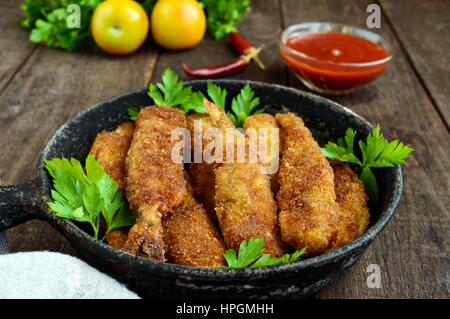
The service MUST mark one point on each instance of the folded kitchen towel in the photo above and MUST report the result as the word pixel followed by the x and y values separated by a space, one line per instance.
pixel 4 248
pixel 50 275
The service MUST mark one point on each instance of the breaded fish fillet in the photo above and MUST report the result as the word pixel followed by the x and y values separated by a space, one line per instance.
pixel 306 199
pixel 245 206
pixel 117 237
pixel 203 178
pixel 110 150
pixel 351 197
pixel 155 183
pixel 191 237
pixel 265 128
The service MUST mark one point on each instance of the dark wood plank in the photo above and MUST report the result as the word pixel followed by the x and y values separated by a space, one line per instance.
pixel 423 28
pixel 14 43
pixel 260 26
pixel 48 90
pixel 412 251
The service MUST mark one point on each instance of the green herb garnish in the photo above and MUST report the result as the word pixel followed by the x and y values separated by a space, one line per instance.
pixel 222 15
pixel 170 92
pixel 250 256
pixel 48 22
pixel 243 105
pixel 217 95
pixel 84 196
pixel 133 112
pixel 376 152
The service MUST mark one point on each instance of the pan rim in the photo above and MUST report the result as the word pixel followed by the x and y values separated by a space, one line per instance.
pixel 246 273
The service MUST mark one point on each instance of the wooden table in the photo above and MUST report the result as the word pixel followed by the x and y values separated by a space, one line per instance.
pixel 41 88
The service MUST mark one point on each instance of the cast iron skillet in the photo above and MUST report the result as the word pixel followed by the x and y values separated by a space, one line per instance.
pixel 326 119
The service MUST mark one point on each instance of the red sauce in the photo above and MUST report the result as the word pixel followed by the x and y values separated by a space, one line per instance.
pixel 337 48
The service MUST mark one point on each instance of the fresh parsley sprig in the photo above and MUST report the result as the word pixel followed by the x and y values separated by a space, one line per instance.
pixel 242 106
pixel 48 22
pixel 133 112
pixel 172 92
pixel 222 15
pixel 217 94
pixel 376 152
pixel 250 256
pixel 85 197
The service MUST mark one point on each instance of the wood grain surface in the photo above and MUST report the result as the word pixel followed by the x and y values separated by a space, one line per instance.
pixel 424 36
pixel 41 88
pixel 14 44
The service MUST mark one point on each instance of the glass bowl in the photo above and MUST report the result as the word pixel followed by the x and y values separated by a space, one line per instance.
pixel 327 76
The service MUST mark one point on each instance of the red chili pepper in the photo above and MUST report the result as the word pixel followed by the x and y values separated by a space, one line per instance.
pixel 243 47
pixel 235 66
pixel 247 51
pixel 239 43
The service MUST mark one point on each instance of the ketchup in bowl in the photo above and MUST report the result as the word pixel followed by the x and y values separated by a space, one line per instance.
pixel 334 62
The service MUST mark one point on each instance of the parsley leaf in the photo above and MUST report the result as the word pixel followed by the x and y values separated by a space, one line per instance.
pixel 222 15
pixel 376 152
pixel 48 22
pixel 248 253
pixel 85 197
pixel 266 260
pixel 172 93
pixel 194 103
pixel 343 150
pixel 243 105
pixel 133 112
pixel 250 256
pixel 217 94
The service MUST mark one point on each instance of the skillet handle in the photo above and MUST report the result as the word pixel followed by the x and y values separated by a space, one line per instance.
pixel 18 204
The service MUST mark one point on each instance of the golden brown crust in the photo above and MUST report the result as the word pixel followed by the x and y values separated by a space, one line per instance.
pixel 191 236
pixel 271 157
pixel 306 198
pixel 202 173
pixel 117 237
pixel 155 184
pixel 245 206
pixel 203 183
pixel 218 116
pixel 110 150
pixel 351 197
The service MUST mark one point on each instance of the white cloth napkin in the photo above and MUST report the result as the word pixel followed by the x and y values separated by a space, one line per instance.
pixel 50 275
pixel 3 243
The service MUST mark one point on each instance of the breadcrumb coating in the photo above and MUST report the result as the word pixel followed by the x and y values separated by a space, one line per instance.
pixel 191 236
pixel 155 183
pixel 354 216
pixel 110 150
pixel 306 199
pixel 203 178
pixel 271 157
pixel 245 206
